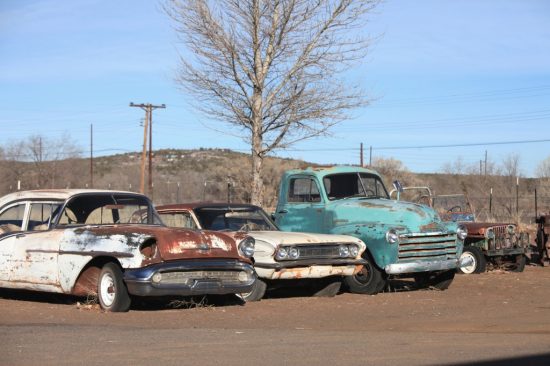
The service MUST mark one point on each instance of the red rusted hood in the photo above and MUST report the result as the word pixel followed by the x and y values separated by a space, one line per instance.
pixel 479 228
pixel 176 243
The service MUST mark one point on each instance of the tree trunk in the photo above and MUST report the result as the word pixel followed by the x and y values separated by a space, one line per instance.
pixel 257 161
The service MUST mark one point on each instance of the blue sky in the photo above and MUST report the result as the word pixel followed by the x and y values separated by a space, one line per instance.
pixel 442 72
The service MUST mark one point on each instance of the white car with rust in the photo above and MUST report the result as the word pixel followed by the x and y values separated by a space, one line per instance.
pixel 84 242
pixel 319 261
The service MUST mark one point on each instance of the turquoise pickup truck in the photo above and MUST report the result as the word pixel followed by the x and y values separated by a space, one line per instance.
pixel 403 239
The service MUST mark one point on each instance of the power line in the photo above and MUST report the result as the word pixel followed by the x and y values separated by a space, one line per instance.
pixel 462 145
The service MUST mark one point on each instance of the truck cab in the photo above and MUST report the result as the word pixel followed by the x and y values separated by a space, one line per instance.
pixel 403 239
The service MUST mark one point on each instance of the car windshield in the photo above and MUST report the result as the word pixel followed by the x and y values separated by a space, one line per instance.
pixel 451 202
pixel 348 185
pixel 108 209
pixel 234 219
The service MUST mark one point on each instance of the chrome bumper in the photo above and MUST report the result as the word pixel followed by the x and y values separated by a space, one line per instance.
pixel 140 281
pixel 426 266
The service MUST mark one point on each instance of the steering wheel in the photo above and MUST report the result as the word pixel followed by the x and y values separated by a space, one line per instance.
pixel 455 209
pixel 369 192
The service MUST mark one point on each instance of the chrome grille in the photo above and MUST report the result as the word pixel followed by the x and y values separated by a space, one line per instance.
pixel 503 240
pixel 319 251
pixel 427 246
pixel 188 277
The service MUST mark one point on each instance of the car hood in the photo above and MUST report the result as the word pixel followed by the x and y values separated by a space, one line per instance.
pixel 399 214
pixel 172 243
pixel 292 238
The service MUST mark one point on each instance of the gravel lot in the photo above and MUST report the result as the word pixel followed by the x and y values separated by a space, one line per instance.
pixel 496 318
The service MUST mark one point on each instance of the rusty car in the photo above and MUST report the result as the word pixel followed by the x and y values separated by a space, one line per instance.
pixel 488 244
pixel 91 242
pixel 281 259
pixel 403 239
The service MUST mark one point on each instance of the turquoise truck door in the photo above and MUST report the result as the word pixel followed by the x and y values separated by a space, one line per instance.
pixel 303 207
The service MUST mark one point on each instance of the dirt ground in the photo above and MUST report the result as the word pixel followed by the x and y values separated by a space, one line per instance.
pixel 496 318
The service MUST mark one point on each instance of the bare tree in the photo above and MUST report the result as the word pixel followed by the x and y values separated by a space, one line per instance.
pixel 271 67
pixel 543 169
pixel 40 162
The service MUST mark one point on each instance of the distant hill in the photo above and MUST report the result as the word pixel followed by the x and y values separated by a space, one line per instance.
pixel 204 174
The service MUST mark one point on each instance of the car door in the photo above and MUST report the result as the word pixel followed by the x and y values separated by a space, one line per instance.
pixel 304 207
pixel 11 224
pixel 36 249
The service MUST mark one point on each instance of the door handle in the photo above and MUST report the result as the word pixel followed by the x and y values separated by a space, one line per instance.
pixel 283 211
pixel 20 235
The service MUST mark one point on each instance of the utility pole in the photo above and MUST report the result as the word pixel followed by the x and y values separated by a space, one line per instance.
pixel 91 155
pixel 361 158
pixel 148 108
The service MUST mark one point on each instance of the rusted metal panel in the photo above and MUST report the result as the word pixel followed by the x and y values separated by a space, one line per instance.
pixel 61 259
pixel 267 242
pixel 308 272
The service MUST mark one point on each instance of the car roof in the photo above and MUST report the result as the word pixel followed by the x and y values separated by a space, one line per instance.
pixel 337 169
pixel 196 205
pixel 54 194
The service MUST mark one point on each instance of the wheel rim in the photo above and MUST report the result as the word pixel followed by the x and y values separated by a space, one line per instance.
pixel 365 275
pixel 244 295
pixel 107 289
pixel 470 268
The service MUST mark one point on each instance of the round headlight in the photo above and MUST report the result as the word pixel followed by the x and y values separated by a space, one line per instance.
pixel 462 232
pixel 246 247
pixel 490 234
pixel 353 250
pixel 511 229
pixel 282 253
pixel 392 237
pixel 343 250
pixel 293 253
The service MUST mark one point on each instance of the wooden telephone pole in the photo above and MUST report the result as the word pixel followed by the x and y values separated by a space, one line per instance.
pixel 148 125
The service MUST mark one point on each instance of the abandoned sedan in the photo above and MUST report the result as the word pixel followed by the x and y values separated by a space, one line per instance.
pixel 84 242
pixel 318 261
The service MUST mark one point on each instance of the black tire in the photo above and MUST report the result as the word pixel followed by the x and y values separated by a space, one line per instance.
pixel 443 280
pixel 480 263
pixel 257 293
pixel 437 280
pixel 519 264
pixel 370 280
pixel 327 287
pixel 111 290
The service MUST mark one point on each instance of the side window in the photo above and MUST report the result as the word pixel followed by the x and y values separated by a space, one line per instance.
pixel 41 215
pixel 303 190
pixel 12 219
pixel 182 219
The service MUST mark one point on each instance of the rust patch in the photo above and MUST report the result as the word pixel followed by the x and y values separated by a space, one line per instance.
pixel 87 282
pixel 429 227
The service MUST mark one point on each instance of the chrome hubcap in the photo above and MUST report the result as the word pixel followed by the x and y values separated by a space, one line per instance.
pixel 107 289
pixel 469 269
